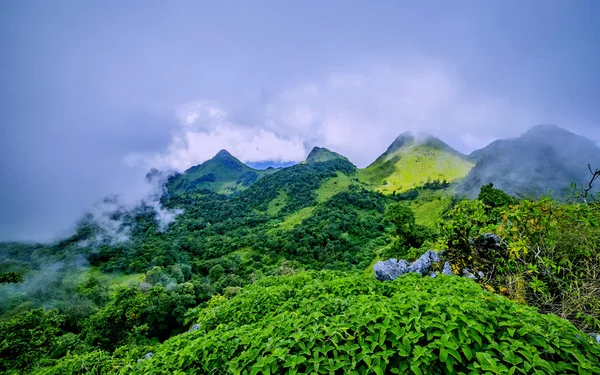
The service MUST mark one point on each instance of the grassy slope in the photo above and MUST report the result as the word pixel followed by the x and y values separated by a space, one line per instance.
pixel 431 205
pixel 412 166
pixel 227 171
pixel 114 280
pixel 277 203
pixel 327 190
pixel 333 186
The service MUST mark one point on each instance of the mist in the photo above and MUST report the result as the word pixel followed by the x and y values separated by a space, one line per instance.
pixel 95 94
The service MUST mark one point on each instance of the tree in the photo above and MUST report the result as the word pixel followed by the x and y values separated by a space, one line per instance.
pixel 493 197
pixel 28 337
pixel 10 277
pixel 409 233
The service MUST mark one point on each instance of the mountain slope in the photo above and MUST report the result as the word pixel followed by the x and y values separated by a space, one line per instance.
pixel 222 174
pixel 321 154
pixel 412 161
pixel 545 158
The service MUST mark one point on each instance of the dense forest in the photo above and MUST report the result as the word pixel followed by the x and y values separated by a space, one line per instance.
pixel 278 278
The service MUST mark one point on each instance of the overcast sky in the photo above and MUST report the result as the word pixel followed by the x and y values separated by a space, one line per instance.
pixel 94 93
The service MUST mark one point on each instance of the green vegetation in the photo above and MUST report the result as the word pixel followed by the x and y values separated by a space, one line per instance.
pixel 410 163
pixel 321 154
pixel 279 277
pixel 347 323
pixel 222 174
pixel 549 255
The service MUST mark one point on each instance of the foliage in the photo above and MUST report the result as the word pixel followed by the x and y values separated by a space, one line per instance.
pixel 339 323
pixel 408 233
pixel 134 315
pixel 549 256
pixel 10 278
pixel 493 197
pixel 332 236
pixel 26 338
pixel 313 216
pixel 555 249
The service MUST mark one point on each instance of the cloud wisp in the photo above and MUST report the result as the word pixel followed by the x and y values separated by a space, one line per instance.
pixel 357 112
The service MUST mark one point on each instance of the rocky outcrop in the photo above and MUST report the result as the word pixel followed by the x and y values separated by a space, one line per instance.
pixel 390 269
pixel 393 268
pixel 447 270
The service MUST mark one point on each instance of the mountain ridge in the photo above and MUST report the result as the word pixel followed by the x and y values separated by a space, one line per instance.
pixel 413 159
pixel 546 158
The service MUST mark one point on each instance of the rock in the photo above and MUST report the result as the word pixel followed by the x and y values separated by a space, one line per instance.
pixel 468 274
pixel 148 355
pixel 433 275
pixel 195 327
pixel 447 270
pixel 480 274
pixel 488 241
pixel 596 337
pixel 390 269
pixel 424 263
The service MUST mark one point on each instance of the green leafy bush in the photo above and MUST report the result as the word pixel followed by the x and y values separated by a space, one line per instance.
pixel 549 257
pixel 28 337
pixel 336 323
pixel 409 236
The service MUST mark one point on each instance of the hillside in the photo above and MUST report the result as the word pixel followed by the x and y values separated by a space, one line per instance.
pixel 545 158
pixel 412 161
pixel 321 154
pixel 223 174
pixel 290 256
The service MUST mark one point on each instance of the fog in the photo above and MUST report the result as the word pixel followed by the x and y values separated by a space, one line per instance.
pixel 94 94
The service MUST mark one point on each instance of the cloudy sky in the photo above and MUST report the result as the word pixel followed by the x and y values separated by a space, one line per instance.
pixel 94 93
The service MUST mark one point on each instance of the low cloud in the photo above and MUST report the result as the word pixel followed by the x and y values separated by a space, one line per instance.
pixel 205 129
pixel 356 111
pixel 359 112
pixel 111 221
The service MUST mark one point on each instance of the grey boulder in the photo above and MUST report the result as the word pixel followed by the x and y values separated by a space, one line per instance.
pixel 390 269
pixel 393 268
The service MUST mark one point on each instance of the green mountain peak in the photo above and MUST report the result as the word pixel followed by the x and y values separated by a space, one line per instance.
pixel 414 159
pixel 223 173
pixel 321 154
pixel 545 158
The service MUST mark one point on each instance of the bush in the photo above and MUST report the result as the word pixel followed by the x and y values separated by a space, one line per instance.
pixel 336 323
pixel 549 256
pixel 27 338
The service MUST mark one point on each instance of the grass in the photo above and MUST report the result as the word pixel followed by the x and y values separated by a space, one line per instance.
pixel 244 253
pixel 296 218
pixel 369 270
pixel 413 166
pixel 114 280
pixel 431 205
pixel 276 204
pixel 333 186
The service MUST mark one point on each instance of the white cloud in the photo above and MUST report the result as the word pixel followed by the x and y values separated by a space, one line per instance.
pixel 357 112
pixel 360 113
pixel 205 130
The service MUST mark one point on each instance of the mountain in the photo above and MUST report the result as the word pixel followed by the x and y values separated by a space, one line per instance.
pixel 222 174
pixel 321 154
pixel 545 158
pixel 412 160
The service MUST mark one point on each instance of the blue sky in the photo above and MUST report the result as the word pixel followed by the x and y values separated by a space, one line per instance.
pixel 94 93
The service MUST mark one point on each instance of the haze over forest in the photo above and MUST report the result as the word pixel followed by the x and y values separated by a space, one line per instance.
pixel 87 108
pixel 300 187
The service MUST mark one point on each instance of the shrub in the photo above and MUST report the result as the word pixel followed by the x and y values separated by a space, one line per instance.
pixel 27 338
pixel 335 323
